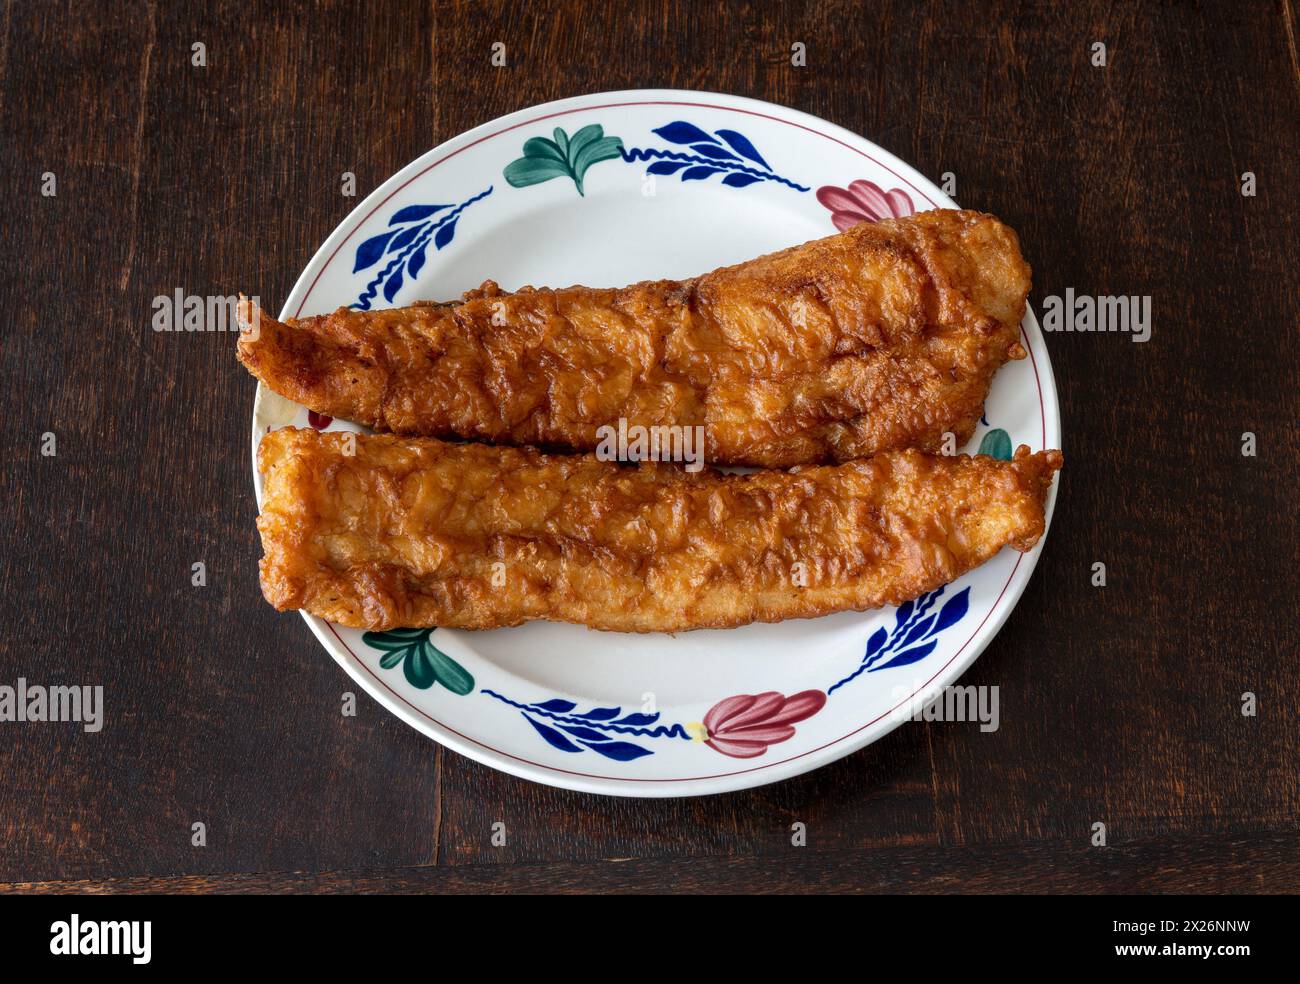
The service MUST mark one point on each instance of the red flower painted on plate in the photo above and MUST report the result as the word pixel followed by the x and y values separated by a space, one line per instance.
pixel 743 726
pixel 863 201
pixel 318 420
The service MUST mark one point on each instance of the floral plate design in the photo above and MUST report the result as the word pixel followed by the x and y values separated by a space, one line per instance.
pixel 605 190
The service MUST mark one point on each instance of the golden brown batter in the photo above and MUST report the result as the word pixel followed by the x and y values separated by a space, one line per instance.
pixel 412 533
pixel 882 337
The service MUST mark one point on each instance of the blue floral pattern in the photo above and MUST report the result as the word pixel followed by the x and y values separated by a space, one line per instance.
pixel 571 730
pixel 721 152
pixel 913 636
pixel 406 242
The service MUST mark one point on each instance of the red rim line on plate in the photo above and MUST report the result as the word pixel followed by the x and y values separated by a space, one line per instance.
pixel 1042 413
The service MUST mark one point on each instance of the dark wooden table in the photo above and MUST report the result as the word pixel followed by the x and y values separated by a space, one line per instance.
pixel 1120 705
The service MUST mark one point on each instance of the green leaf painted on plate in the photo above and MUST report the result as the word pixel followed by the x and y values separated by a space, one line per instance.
pixel 583 137
pixel 539 148
pixel 423 664
pixel 450 674
pixel 418 669
pixel 387 644
pixel 394 638
pixel 563 156
pixel 604 149
pixel 996 444
pixel 534 170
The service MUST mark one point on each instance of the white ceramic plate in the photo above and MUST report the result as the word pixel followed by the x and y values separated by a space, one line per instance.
pixel 694 181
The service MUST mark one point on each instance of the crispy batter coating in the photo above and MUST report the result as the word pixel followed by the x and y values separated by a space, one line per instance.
pixel 410 532
pixel 882 337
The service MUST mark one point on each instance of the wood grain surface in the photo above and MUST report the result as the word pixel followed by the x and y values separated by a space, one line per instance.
pixel 1120 705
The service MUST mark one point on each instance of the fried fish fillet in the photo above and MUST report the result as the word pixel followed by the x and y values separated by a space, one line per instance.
pixel 882 337
pixel 409 532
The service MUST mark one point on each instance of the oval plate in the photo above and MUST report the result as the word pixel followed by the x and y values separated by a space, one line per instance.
pixel 663 184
